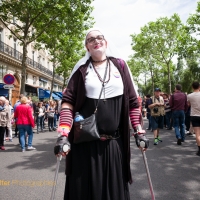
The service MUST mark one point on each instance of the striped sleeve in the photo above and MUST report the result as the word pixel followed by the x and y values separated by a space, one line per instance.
pixel 66 121
pixel 135 116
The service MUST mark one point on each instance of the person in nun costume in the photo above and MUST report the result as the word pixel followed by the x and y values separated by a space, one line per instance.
pixel 100 169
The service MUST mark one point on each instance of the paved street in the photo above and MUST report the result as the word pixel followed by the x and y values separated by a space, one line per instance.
pixel 175 170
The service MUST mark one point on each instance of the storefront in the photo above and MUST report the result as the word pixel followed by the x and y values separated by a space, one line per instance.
pixel 31 90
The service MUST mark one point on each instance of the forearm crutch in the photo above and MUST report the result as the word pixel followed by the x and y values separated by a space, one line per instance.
pixel 59 158
pixel 148 175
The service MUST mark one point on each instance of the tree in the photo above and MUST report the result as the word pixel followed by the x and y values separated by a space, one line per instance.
pixel 29 19
pixel 193 25
pixel 160 40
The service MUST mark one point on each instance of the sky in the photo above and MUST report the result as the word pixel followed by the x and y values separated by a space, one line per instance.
pixel 121 18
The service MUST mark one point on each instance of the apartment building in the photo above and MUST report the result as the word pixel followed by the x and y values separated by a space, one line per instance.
pixel 39 71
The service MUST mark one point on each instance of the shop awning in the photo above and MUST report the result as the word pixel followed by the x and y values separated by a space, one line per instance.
pixel 59 94
pixel 45 94
pixel 54 96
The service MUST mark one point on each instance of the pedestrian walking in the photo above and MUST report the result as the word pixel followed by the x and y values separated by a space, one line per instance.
pixel 11 114
pixel 178 104
pixel 99 169
pixel 193 100
pixel 4 120
pixel 156 105
pixel 168 112
pixel 25 123
pixel 50 114
pixel 40 112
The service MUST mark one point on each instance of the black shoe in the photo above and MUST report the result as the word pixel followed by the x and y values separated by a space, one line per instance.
pixel 179 142
pixel 50 129
pixel 182 140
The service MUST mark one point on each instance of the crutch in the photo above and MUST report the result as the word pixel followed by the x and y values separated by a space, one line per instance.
pixel 147 170
pixel 59 158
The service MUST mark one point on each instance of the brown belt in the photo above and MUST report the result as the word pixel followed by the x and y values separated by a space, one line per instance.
pixel 109 137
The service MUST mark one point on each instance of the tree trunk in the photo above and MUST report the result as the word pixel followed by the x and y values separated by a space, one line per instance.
pixel 169 78
pixel 152 80
pixel 52 82
pixel 23 71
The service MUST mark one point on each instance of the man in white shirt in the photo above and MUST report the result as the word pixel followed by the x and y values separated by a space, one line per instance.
pixel 193 100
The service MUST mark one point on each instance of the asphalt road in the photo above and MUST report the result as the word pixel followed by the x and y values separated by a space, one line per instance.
pixel 175 170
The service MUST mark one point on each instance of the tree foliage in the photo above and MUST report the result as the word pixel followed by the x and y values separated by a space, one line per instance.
pixel 29 19
pixel 160 40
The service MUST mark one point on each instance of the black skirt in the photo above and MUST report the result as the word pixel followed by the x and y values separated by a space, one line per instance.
pixel 97 166
pixel 97 172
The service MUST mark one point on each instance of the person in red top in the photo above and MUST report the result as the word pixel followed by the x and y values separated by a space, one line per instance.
pixel 25 123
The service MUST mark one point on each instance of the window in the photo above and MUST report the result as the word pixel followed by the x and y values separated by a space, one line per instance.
pixel 39 59
pixel 59 88
pixel 26 78
pixel 54 87
pixel 1 40
pixel 33 53
pixel 43 62
pixel 34 80
pixel 15 46
pixel 3 72
pixel 42 83
pixel 1 34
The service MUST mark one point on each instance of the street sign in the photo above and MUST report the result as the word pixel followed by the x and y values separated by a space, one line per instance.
pixel 9 79
pixel 8 86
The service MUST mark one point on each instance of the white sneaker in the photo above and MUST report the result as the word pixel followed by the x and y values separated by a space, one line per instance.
pixel 31 148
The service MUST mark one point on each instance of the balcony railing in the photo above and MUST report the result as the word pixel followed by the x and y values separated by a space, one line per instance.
pixel 17 55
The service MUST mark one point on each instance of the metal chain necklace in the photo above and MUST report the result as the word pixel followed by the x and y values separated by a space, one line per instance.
pixel 101 80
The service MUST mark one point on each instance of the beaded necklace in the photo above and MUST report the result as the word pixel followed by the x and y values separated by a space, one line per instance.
pixel 99 77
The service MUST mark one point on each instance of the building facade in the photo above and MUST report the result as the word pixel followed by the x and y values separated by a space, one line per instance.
pixel 38 74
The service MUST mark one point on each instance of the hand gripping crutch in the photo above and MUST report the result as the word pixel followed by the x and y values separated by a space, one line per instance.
pixel 148 174
pixel 59 158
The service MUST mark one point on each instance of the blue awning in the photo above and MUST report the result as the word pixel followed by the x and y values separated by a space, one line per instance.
pixel 45 94
pixel 55 97
pixel 59 94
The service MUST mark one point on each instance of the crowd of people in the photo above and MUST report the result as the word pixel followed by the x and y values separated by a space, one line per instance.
pixel 23 117
pixel 179 112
